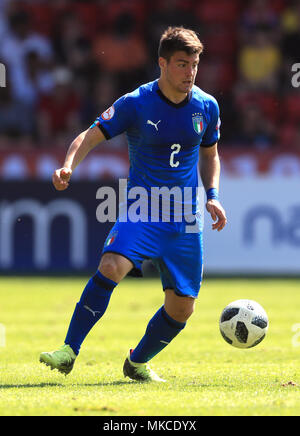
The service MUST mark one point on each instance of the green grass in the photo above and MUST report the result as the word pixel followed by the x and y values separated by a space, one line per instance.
pixel 205 375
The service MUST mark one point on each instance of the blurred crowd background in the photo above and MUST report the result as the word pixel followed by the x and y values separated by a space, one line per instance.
pixel 67 61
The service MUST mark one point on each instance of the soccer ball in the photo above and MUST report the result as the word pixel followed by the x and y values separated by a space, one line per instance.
pixel 243 323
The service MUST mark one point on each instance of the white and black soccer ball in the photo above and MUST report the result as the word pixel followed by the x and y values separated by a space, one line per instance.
pixel 243 323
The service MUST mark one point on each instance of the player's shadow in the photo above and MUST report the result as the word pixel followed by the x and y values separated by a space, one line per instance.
pixel 29 385
pixel 113 383
pixel 47 385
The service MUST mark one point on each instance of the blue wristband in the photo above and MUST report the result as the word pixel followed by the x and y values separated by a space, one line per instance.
pixel 212 194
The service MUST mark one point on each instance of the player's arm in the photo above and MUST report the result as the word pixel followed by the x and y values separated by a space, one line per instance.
pixel 210 175
pixel 77 151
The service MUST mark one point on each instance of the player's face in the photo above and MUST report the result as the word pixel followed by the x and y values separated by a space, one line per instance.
pixel 180 71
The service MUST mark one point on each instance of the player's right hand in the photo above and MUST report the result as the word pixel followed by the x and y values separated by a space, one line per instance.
pixel 61 178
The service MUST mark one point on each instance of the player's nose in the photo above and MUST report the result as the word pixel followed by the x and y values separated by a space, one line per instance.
pixel 189 74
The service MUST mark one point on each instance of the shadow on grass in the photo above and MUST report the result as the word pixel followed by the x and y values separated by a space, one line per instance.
pixel 40 385
pixel 47 385
pixel 112 383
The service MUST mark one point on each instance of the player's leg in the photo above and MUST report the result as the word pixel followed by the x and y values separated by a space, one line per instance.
pixel 178 307
pixel 90 308
pixel 164 326
pixel 114 266
pixel 181 273
pixel 95 298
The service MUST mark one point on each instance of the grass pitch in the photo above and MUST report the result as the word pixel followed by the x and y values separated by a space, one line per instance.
pixel 205 375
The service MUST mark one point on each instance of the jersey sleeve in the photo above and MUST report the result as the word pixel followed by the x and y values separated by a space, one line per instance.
pixel 212 133
pixel 117 118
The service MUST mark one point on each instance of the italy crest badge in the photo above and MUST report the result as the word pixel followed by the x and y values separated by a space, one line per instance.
pixel 197 123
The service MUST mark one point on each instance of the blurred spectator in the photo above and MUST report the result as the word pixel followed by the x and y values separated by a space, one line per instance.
pixel 268 102
pixel 85 73
pixel 111 11
pixel 82 63
pixel 15 47
pixel 103 93
pixel 260 61
pixel 254 129
pixel 213 38
pixel 122 52
pixel 290 19
pixel 259 15
pixel 38 80
pixel 68 31
pixel 290 24
pixel 58 118
pixel 16 118
pixel 215 75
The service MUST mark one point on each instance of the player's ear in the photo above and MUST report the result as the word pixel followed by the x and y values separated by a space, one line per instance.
pixel 162 62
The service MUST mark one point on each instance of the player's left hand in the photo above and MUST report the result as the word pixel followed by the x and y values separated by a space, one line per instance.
pixel 217 213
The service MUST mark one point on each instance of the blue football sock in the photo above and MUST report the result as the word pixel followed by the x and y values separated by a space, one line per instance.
pixel 159 333
pixel 90 308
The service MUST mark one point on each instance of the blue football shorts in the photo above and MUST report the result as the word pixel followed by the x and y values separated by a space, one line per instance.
pixel 177 255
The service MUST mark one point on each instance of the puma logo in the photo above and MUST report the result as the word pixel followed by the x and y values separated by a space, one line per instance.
pixel 91 310
pixel 154 124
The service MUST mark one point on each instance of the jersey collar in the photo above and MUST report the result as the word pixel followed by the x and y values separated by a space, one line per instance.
pixel 169 102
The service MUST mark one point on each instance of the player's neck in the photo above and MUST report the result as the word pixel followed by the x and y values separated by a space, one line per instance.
pixel 170 93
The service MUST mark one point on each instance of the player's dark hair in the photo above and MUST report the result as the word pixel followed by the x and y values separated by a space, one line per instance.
pixel 179 39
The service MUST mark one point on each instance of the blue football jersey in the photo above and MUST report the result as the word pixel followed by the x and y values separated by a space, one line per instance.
pixel 163 137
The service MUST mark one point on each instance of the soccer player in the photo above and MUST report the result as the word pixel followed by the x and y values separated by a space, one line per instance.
pixel 168 123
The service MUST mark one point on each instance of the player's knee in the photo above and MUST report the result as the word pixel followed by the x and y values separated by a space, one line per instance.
pixel 109 269
pixel 182 313
pixel 187 312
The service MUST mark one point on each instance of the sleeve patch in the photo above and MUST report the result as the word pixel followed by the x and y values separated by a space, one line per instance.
pixel 108 114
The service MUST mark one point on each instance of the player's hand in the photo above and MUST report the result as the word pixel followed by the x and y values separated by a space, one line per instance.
pixel 217 213
pixel 61 178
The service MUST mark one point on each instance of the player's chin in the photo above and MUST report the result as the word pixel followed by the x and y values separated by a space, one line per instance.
pixel 186 86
